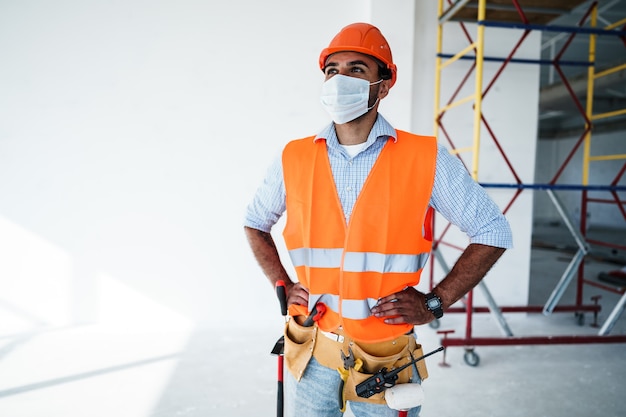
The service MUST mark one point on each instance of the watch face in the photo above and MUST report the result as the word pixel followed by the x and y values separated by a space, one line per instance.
pixel 433 303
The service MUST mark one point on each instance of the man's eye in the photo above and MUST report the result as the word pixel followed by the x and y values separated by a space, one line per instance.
pixel 357 69
pixel 330 71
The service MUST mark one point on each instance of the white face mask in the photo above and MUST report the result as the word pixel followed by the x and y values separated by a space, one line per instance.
pixel 345 98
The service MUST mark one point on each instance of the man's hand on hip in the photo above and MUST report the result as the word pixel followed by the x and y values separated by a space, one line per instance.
pixel 406 306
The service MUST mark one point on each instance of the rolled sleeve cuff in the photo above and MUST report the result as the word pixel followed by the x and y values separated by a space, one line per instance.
pixel 498 235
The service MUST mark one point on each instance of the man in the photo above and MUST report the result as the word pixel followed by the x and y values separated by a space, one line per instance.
pixel 358 199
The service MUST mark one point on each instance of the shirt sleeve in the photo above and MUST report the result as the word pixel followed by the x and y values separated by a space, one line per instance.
pixel 464 203
pixel 268 203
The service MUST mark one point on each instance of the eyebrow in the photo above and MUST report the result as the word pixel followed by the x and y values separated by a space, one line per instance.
pixel 358 62
pixel 350 64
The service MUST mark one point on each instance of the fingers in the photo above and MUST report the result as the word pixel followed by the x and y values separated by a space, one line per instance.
pixel 394 310
pixel 392 305
pixel 406 306
pixel 298 295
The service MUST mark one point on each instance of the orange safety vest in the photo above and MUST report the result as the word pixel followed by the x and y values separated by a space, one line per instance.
pixel 383 248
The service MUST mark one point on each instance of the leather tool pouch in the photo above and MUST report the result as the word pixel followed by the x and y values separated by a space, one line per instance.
pixel 372 363
pixel 299 345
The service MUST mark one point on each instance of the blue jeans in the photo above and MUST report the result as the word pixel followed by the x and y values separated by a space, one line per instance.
pixel 317 395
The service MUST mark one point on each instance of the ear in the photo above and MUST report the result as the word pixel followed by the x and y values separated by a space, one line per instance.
pixel 383 90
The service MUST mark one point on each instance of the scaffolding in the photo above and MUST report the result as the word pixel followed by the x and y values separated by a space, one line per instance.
pixel 530 15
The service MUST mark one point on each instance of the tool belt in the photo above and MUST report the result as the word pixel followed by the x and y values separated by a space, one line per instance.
pixel 302 343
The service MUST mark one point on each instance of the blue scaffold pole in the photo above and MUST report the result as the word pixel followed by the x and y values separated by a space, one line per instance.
pixel 557 187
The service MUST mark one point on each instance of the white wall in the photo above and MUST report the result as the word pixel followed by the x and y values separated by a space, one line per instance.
pixel 132 137
pixel 133 134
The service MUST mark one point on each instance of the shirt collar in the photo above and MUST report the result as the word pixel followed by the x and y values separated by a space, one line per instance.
pixel 381 129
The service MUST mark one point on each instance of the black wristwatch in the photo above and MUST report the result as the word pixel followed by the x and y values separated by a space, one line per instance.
pixel 433 304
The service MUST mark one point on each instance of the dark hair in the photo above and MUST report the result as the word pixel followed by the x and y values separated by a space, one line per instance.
pixel 383 71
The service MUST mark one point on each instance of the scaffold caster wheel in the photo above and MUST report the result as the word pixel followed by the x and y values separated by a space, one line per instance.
pixel 471 358
pixel 580 318
pixel 434 324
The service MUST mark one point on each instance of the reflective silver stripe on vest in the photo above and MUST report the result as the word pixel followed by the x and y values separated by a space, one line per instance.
pixel 357 309
pixel 331 301
pixel 357 261
pixel 379 262
pixel 350 309
pixel 317 258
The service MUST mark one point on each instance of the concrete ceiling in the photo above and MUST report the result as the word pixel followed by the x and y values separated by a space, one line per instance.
pixel 558 114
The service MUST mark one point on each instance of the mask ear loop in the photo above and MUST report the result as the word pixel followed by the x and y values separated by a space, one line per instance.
pixel 377 99
pixel 373 105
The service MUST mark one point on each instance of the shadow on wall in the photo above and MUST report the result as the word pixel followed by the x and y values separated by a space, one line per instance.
pixel 44 287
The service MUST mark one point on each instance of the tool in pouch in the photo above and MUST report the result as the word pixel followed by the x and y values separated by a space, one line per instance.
pixel 318 311
pixel 348 362
pixel 384 379
pixel 279 348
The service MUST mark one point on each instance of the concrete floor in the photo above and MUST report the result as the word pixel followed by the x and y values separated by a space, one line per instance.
pixel 228 370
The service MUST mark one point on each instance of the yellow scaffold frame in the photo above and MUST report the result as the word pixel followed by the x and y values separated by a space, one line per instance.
pixel 576 265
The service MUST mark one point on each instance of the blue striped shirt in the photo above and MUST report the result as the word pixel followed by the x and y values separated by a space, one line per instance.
pixel 456 196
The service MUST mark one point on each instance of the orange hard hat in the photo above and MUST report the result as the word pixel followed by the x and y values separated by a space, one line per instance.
pixel 363 38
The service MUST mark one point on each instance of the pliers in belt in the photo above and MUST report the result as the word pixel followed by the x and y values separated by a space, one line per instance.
pixel 349 361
